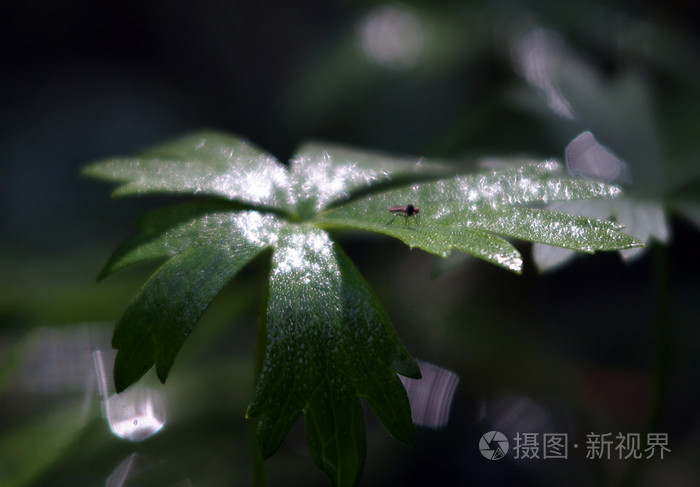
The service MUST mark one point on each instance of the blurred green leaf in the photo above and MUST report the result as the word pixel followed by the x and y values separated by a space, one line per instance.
pixel 28 450
pixel 621 112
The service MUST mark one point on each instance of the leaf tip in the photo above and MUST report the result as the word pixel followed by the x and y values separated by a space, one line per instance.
pixel 251 413
pixel 614 191
pixel 104 272
pixel 405 435
pixel 636 243
pixel 407 366
pixel 96 169
pixel 90 170
pixel 162 370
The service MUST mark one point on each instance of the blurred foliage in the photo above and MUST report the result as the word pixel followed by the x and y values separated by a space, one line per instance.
pixel 83 80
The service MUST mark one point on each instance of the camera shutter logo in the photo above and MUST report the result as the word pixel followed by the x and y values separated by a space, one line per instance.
pixel 493 445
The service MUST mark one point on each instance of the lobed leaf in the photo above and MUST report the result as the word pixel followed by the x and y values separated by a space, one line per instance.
pixel 325 173
pixel 204 253
pixel 160 318
pixel 328 344
pixel 206 163
pixel 164 232
pixel 467 213
pixel 328 341
pixel 219 165
pixel 643 220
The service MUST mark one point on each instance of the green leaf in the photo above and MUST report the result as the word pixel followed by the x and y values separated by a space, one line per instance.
pixel 643 220
pixel 213 164
pixel 32 448
pixel 205 252
pixel 328 343
pixel 207 163
pixel 323 174
pixel 468 212
pixel 167 231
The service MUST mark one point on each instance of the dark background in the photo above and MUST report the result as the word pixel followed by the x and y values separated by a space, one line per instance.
pixel 86 80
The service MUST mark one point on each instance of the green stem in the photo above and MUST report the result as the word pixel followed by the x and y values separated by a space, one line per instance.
pixel 258 466
pixel 662 362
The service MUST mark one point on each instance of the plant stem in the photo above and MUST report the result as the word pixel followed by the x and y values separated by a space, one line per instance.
pixel 259 470
pixel 258 467
pixel 662 362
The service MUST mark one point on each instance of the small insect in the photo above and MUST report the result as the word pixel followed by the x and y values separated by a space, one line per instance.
pixel 405 211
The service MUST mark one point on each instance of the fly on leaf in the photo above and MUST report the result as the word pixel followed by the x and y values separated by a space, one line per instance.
pixel 405 211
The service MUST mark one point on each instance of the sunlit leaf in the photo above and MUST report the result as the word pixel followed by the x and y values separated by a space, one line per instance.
pixel 325 173
pixel 328 344
pixel 206 164
pixel 645 221
pixel 168 231
pixel 468 213
pixel 205 253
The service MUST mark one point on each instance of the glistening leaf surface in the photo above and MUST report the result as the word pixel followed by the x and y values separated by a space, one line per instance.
pixel 325 173
pixel 469 212
pixel 208 164
pixel 328 344
pixel 644 220
pixel 204 253
pixel 165 232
